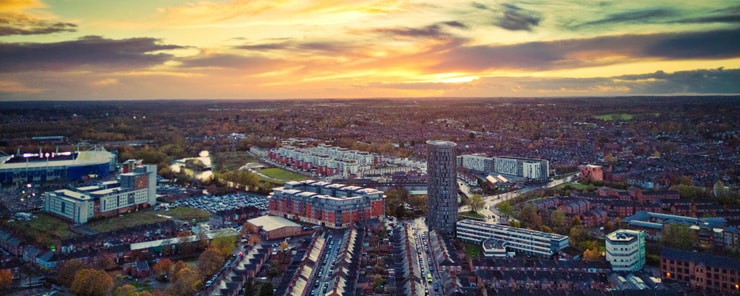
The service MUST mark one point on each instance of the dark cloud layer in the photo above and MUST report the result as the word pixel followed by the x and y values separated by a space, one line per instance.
pixel 19 24
pixel 716 81
pixel 518 19
pixel 130 53
pixel 573 53
pixel 434 31
pixel 636 16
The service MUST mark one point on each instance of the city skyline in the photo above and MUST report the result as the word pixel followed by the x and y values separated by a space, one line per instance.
pixel 107 50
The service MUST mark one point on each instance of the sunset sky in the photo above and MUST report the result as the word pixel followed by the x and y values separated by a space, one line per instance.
pixel 275 49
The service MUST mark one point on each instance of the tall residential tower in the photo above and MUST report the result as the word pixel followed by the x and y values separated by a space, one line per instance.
pixel 442 187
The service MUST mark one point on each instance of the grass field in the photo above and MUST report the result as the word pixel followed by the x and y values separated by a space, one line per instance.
pixel 127 220
pixel 283 175
pixel 227 161
pixel 188 214
pixel 615 116
pixel 45 228
pixel 472 214
pixel 472 251
pixel 147 216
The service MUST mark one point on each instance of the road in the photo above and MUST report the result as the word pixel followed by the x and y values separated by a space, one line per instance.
pixel 490 212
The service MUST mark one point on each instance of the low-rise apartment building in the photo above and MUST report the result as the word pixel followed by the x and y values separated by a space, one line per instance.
pixel 326 204
pixel 519 240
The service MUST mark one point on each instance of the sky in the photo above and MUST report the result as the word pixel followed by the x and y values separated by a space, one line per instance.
pixel 285 49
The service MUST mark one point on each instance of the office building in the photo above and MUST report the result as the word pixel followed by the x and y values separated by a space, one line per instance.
pixel 514 239
pixel 136 189
pixel 326 204
pixel 442 187
pixel 625 250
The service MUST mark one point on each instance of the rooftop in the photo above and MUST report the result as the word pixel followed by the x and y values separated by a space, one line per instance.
pixel 269 223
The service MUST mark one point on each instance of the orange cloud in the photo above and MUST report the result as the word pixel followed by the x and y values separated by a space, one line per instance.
pixel 17 87
pixel 17 6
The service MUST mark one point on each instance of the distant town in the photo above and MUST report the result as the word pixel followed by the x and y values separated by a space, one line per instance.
pixel 484 196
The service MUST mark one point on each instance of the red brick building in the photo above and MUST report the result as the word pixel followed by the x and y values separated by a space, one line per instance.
pixel 703 271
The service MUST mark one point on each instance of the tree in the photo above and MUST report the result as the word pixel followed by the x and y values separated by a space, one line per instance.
pixel 254 240
pixel 476 202
pixel 284 245
pixel 125 290
pixel 557 219
pixel 66 272
pixel 188 283
pixel 529 216
pixel 678 236
pixel 225 244
pixel 577 234
pixel 6 278
pixel 105 261
pixel 266 289
pixel 162 267
pixel 92 282
pixel 210 261
pixel 505 208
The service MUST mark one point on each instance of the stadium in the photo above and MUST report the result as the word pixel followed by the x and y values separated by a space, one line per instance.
pixel 56 166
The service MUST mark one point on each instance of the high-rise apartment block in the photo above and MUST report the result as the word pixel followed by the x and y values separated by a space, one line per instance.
pixel 442 187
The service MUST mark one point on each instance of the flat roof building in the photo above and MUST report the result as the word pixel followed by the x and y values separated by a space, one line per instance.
pixel 136 189
pixel 326 204
pixel 442 187
pixel 625 250
pixel 519 240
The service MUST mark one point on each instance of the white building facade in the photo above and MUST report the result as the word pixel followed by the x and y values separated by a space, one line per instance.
pixel 625 250
pixel 519 240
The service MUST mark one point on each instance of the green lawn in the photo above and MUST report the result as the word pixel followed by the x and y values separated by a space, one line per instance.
pixel 472 251
pixel 472 215
pixel 188 214
pixel 133 219
pixel 614 116
pixel 45 229
pixel 228 161
pixel 283 175
pixel 147 216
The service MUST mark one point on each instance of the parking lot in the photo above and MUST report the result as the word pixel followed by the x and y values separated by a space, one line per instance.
pixel 216 204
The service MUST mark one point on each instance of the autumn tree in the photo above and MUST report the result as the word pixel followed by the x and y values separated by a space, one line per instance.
pixel 66 272
pixel 210 261
pixel 284 245
pixel 476 202
pixel 92 282
pixel 529 216
pixel 125 290
pixel 105 261
pixel 176 268
pixel 188 283
pixel 6 278
pixel 162 268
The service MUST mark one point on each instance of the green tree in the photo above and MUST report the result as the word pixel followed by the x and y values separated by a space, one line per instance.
pixel 679 236
pixel 557 219
pixel 225 244
pixel 476 202
pixel 505 208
